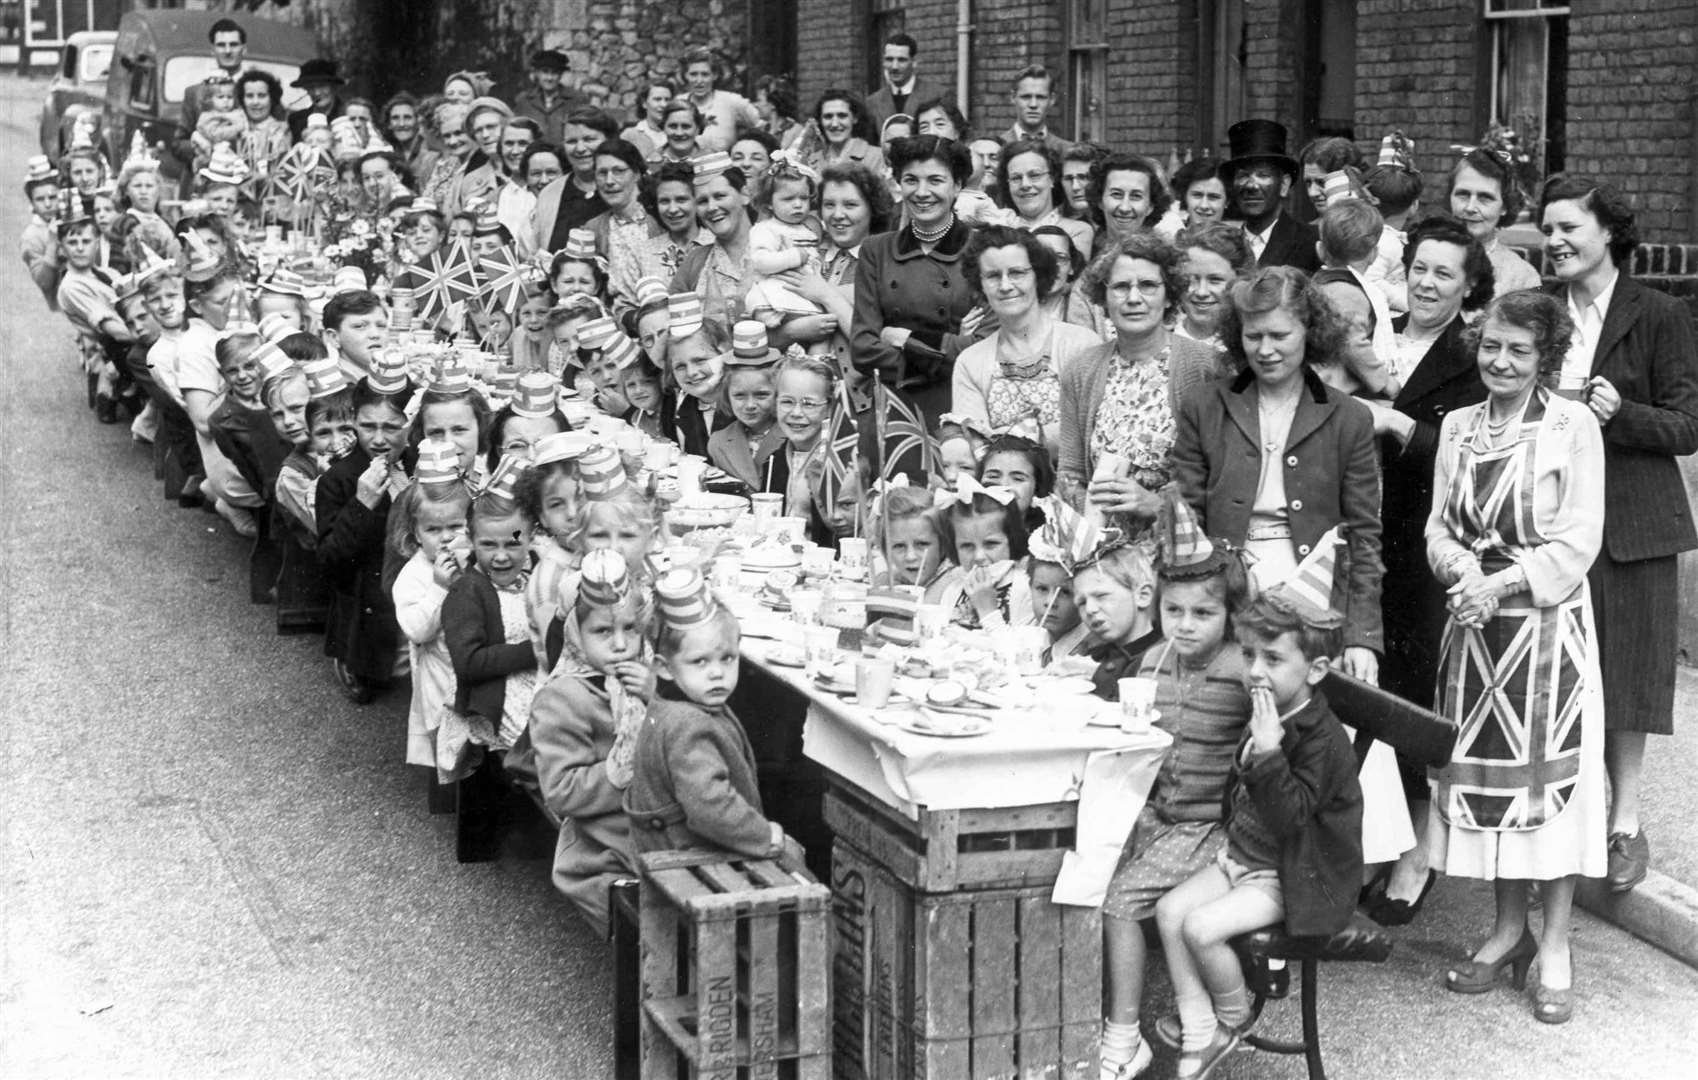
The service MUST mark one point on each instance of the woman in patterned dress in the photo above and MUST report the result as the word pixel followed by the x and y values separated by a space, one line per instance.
pixel 1517 519
pixel 1122 397
pixel 1015 373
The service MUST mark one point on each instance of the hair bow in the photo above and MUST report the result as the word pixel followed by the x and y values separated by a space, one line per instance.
pixel 883 487
pixel 966 487
pixel 784 162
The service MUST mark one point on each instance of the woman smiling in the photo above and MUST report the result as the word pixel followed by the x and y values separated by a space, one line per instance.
pixel 719 272
pixel 1030 178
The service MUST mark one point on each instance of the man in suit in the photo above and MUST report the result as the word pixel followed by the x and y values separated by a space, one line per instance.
pixel 1034 93
pixel 1258 176
pixel 901 88
pixel 322 83
pixel 230 50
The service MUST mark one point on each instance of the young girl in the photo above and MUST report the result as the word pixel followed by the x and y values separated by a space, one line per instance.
pixel 905 533
pixel 745 449
pixel 693 781
pixel 805 397
pixel 987 532
pixel 576 270
pixel 428 527
pixel 529 345
pixel 328 418
pixel 549 495
pixel 1114 589
pixel 695 360
pixel 1203 705
pixel 352 508
pixel 451 410
pixel 961 443
pixel 585 722
pixel 641 384
pixel 600 348
pixel 786 238
pixel 531 416
pixel 1023 467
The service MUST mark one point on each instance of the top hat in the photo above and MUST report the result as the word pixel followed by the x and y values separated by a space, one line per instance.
pixel 580 244
pixel 1397 149
pixel 348 279
pixel 561 446
pixel 275 327
pixel 1258 140
pixel 316 72
pixel 225 166
pixel 595 334
pixel 601 472
pixel 388 373
pixel 450 378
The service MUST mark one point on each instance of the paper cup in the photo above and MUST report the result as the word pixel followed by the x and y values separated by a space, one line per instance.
pixel 656 456
pixel 1137 694
pixel 1572 387
pixel 766 507
pixel 690 469
pixel 805 605
pixel 728 573
pixel 873 678
pixel 790 530
pixel 1027 645
pixel 820 642
pixel 930 620
pixel 817 561
pixel 852 550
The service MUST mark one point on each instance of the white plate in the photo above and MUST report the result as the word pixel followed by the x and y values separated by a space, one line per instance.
pixel 944 726
pixel 787 656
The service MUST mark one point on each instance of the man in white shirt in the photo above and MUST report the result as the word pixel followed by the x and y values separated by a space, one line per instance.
pixel 902 88
pixel 1034 93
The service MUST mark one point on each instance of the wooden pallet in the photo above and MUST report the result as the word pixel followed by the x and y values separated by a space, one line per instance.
pixel 945 850
pixel 993 982
pixel 735 969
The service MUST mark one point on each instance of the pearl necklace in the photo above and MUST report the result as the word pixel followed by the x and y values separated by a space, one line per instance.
pixel 932 237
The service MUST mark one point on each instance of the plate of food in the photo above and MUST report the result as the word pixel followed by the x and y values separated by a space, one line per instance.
pixel 940 725
pixel 786 655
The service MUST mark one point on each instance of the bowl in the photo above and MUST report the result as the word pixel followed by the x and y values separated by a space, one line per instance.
pixel 706 511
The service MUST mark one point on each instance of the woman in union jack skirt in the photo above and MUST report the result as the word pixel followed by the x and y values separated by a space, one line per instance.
pixel 1517 518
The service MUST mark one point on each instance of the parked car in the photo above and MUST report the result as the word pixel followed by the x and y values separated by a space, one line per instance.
pixel 161 53
pixel 79 82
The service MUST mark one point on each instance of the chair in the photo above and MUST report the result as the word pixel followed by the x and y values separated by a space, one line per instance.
pixel 1420 736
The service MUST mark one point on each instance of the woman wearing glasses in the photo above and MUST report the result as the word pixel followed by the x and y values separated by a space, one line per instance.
pixel 1119 400
pixel 1029 175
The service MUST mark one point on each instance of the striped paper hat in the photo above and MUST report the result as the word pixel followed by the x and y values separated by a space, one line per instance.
pixel 1183 544
pixel 488 222
pixel 125 286
pixel 439 463
pixel 535 395
pixel 749 347
pixel 708 166
pixel 562 446
pixel 348 279
pixel 580 244
pixel 149 264
pixel 1397 149
pixel 39 167
pixel 285 282
pixel 450 378
pixel 684 314
pixel 682 598
pixel 324 377
pixel 601 472
pixel 1307 593
pixel 603 579
pixel 622 351
pixel 275 327
pixel 503 482
pixel 595 333
pixel 272 363
pixel 650 290
pixel 388 373
pixel 1339 185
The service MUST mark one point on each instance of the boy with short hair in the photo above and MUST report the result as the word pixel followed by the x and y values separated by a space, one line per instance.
pixel 1349 231
pixel 1293 818
pixel 38 246
pixel 355 325
pixel 693 781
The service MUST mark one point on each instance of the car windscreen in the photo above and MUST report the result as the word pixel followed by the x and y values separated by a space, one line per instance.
pixel 182 72
pixel 95 61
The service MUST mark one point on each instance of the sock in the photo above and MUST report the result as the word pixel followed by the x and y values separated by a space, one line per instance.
pixel 1120 1042
pixel 1233 1006
pixel 1196 1021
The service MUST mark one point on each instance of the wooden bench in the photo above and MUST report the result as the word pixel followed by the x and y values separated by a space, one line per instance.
pixel 1420 736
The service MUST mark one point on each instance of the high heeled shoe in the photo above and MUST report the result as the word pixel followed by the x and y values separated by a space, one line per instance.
pixel 1389 912
pixel 1552 1006
pixel 1478 977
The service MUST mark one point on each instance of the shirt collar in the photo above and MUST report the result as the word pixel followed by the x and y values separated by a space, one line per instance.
pixel 1266 233
pixel 906 88
pixel 1600 303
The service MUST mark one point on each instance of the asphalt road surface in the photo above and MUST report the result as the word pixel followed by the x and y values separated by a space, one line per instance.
pixel 214 866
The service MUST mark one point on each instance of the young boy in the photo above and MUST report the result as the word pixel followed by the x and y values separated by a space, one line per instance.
pixel 1293 819
pixel 693 781
pixel 1395 185
pixel 355 325
pixel 39 248
pixel 1349 234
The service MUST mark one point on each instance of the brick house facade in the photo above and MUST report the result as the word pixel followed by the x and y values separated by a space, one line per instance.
pixel 1618 78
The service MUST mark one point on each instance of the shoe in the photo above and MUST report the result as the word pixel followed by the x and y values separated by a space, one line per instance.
pixel 190 497
pixel 1198 1064
pixel 1477 977
pixel 1388 912
pixel 240 520
pixel 1168 1031
pixel 354 688
pixel 1142 1059
pixel 105 409
pixel 1630 859
pixel 1552 1006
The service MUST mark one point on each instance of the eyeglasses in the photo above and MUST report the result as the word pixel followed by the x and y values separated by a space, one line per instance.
pixel 519 446
pixel 613 172
pixel 1017 275
pixel 1028 178
pixel 812 406
pixel 1119 289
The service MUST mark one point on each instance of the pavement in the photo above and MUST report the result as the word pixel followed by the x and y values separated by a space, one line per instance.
pixel 214 866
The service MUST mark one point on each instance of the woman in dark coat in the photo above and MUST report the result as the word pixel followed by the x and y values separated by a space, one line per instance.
pixel 910 289
pixel 1635 365
pixel 1448 274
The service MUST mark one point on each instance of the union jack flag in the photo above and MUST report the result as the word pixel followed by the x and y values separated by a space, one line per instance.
pixel 440 281
pixel 903 445
pixel 504 279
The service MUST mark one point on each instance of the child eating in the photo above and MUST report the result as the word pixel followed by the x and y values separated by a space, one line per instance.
pixel 987 533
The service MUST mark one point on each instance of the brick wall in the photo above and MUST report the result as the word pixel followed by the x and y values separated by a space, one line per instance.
pixel 1632 113
pixel 1008 36
pixel 1153 80
pixel 1273 53
pixel 831 49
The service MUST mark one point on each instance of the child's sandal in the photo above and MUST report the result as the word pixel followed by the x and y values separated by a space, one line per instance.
pixel 1199 1064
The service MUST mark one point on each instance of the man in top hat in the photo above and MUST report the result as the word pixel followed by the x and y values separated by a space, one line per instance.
pixel 546 101
pixel 1258 177
pixel 38 246
pixel 321 81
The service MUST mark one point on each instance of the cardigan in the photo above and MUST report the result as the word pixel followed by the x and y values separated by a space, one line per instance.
pixel 1647 353
pixel 1331 478
pixel 1309 797
pixel 1190 364
pixel 976 367
pixel 478 645
pixel 693 783
pixel 1205 710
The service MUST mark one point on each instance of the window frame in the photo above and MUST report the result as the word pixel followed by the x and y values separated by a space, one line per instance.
pixel 1087 70
pixel 1549 144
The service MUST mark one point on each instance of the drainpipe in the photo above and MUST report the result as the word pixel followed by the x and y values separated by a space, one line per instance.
pixel 963 50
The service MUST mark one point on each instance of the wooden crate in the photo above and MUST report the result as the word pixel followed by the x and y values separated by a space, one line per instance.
pixel 735 970
pixel 945 850
pixel 993 982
